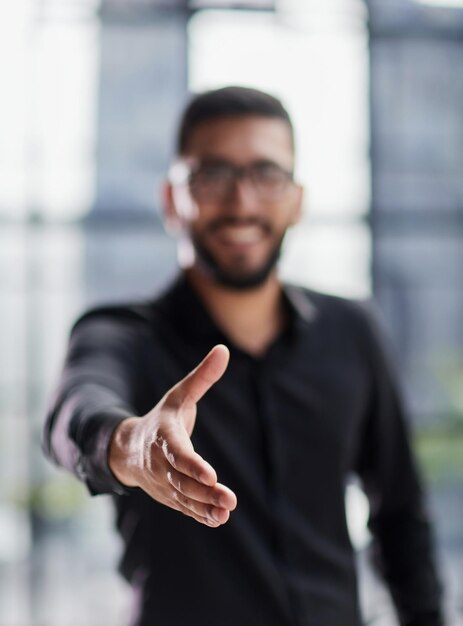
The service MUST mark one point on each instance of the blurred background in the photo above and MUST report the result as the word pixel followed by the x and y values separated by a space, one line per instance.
pixel 90 94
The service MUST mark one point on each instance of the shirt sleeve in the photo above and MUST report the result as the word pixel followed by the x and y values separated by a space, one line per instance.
pixel 402 536
pixel 96 391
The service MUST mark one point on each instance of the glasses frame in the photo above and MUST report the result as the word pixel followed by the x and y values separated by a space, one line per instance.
pixel 183 172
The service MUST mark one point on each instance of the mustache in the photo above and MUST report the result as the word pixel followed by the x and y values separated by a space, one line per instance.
pixel 224 221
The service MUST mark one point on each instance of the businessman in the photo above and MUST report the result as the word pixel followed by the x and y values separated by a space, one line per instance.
pixel 226 414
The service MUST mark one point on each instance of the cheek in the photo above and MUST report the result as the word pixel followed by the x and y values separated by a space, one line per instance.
pixel 285 219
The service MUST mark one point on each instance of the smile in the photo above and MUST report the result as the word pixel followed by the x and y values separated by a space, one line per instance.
pixel 241 234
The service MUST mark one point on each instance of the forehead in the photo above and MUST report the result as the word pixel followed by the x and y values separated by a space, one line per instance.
pixel 242 139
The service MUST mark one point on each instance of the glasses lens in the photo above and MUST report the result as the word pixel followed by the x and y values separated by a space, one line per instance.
pixel 215 180
pixel 211 180
pixel 269 179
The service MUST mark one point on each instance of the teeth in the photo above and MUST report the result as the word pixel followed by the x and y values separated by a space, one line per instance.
pixel 241 234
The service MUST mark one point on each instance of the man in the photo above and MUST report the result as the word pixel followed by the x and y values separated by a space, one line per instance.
pixel 254 445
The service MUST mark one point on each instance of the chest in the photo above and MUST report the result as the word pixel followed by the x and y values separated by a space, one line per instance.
pixel 297 411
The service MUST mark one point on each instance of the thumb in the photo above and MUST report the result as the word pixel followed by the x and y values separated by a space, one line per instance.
pixel 201 379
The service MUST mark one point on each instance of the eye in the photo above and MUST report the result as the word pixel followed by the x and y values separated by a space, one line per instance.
pixel 270 173
pixel 211 174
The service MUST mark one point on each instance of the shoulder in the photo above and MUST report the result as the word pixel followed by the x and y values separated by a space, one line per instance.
pixel 125 323
pixel 131 318
pixel 111 328
pixel 324 306
pixel 358 320
pixel 129 313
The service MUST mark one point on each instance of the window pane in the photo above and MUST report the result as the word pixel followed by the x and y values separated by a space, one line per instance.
pixel 328 100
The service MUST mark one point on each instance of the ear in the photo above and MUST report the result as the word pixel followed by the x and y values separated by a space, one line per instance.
pixel 172 221
pixel 298 204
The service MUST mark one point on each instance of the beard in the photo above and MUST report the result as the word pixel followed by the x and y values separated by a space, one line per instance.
pixel 236 279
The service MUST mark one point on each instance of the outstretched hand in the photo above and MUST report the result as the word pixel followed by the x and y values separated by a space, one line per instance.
pixel 155 453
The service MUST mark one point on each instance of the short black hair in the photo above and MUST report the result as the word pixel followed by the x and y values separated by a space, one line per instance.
pixel 225 102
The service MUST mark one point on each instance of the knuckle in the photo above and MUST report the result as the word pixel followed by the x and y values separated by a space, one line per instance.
pixel 171 452
pixel 175 482
pixel 170 456
pixel 151 462
pixel 159 437
pixel 181 499
pixel 154 460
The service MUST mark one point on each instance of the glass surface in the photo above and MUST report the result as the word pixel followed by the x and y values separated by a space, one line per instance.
pixel 49 106
pixel 312 68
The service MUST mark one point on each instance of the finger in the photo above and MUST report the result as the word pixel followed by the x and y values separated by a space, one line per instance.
pixel 173 504
pixel 201 379
pixel 218 495
pixel 178 506
pixel 180 454
pixel 213 515
pixel 204 513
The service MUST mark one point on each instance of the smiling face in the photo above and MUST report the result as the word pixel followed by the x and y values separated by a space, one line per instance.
pixel 239 199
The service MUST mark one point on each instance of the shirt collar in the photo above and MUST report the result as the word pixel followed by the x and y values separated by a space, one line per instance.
pixel 300 302
pixel 182 305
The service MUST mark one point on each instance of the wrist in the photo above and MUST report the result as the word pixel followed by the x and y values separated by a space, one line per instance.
pixel 119 453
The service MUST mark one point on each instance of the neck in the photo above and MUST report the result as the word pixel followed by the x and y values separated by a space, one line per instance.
pixel 251 318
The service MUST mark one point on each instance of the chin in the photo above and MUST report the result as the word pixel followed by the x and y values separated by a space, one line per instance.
pixel 242 282
pixel 232 278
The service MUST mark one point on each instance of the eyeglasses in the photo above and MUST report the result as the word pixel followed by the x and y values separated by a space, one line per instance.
pixel 216 180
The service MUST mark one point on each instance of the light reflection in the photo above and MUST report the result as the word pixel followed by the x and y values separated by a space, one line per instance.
pixel 456 4
pixel 64 117
pixel 313 66
pixel 312 73
pixel 49 103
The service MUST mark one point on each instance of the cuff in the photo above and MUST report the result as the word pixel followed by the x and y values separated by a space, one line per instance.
pixel 92 465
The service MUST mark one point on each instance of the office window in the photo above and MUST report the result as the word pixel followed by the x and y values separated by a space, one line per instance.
pixel 314 56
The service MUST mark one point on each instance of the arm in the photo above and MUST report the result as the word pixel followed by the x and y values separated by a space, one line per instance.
pixel 92 428
pixel 403 542
pixel 96 391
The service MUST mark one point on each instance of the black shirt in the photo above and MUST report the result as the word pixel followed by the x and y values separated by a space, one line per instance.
pixel 284 432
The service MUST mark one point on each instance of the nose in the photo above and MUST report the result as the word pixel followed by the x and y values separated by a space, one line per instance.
pixel 241 198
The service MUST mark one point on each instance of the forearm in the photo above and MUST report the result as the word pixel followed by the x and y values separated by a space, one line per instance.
pixel 96 391
pixel 78 431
